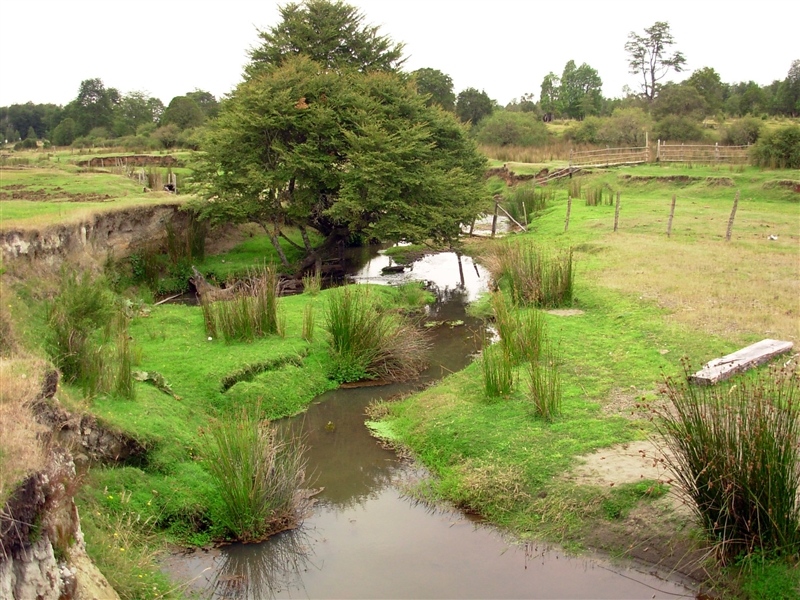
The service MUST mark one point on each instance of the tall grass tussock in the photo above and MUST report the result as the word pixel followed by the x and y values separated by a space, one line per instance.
pixel 532 275
pixel 735 452
pixel 258 471
pixel 369 342
pixel 250 313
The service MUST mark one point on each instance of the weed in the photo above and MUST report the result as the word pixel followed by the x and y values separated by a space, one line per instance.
pixel 735 452
pixel 532 275
pixel 369 342
pixel 258 472
pixel 498 370
pixel 312 283
pixel 545 390
pixel 308 323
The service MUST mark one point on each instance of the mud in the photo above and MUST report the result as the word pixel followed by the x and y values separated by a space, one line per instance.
pixel 56 194
pixel 137 160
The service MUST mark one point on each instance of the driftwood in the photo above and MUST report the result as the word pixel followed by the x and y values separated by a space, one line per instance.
pixel 756 354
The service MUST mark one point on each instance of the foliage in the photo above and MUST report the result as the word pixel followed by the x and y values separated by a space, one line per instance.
pixel 182 112
pixel 580 91
pixel 504 128
pixel 367 342
pixel 332 34
pixel 258 473
pixel 674 128
pixel 436 85
pixel 709 85
pixel 472 106
pixel 735 451
pixel 680 100
pixel 779 148
pixel 64 133
pixel 648 57
pixel 742 132
pixel 345 153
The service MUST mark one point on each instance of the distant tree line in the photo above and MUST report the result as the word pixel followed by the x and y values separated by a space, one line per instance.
pixel 101 116
pixel 671 111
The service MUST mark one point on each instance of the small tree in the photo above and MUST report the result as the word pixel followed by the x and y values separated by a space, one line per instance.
pixel 649 59
pixel 438 86
pixel 472 105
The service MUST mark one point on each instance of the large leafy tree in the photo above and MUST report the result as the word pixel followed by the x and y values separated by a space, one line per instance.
pixel 183 112
pixel 551 85
pixel 437 86
pixel 580 93
pixel 787 98
pixel 332 34
pixel 650 57
pixel 472 105
pixel 709 84
pixel 94 106
pixel 341 151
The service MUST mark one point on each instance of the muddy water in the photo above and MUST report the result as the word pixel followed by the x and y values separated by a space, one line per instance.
pixel 364 539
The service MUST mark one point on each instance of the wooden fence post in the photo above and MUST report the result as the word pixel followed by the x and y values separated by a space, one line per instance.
pixel 569 208
pixel 494 218
pixel 616 213
pixel 671 214
pixel 733 216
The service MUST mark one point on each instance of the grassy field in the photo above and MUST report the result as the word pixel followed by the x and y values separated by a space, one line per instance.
pixel 36 197
pixel 646 301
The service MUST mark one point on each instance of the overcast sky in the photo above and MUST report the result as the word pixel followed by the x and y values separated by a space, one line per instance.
pixel 505 47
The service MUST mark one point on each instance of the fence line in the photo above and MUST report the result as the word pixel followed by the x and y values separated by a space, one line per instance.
pixel 703 153
pixel 610 157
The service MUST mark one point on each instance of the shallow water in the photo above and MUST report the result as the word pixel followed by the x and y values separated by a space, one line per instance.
pixel 365 539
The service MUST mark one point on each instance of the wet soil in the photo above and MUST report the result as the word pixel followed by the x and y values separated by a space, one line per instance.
pixel 56 194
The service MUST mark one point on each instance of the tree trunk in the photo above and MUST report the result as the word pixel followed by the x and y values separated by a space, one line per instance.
pixel 276 243
pixel 306 241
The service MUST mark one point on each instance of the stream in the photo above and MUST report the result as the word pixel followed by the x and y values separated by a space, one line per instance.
pixel 365 539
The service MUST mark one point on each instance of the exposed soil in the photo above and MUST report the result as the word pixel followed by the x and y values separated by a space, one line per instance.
pixel 134 160
pixel 57 194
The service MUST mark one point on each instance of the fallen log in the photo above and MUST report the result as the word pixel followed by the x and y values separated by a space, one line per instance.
pixel 756 354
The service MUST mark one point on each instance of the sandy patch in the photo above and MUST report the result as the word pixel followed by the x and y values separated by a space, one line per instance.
pixel 565 312
pixel 623 463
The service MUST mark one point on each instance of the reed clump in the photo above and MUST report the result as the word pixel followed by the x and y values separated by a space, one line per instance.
pixel 498 370
pixel 370 342
pixel 249 312
pixel 532 275
pixel 526 200
pixel 312 283
pixel 544 389
pixel 258 471
pixel 735 453
pixel 88 337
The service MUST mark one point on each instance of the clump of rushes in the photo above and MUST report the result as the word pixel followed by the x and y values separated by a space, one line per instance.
pixel 498 370
pixel 521 331
pixel 88 337
pixel 735 452
pixel 251 313
pixel 369 342
pixel 312 283
pixel 259 472
pixel 309 318
pixel 545 382
pixel 532 275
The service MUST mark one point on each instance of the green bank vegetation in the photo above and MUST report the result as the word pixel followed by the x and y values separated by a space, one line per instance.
pixel 644 302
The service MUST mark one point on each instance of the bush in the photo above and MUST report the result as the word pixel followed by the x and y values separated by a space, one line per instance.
pixel 368 342
pixel 735 452
pixel 679 129
pixel 779 148
pixel 504 128
pixel 742 132
pixel 258 472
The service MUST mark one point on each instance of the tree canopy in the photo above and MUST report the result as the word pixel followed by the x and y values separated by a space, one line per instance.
pixel 332 34
pixel 342 151
pixel 436 85
pixel 472 105
pixel 649 58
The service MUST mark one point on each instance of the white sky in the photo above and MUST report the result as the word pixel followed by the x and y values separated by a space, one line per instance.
pixel 505 47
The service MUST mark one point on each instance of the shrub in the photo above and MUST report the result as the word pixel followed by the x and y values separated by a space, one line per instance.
pixel 735 452
pixel 504 128
pixel 369 342
pixel 779 148
pixel 532 275
pixel 742 132
pixel 258 472
pixel 520 331
pixel 527 199
pixel 679 129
